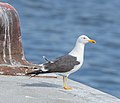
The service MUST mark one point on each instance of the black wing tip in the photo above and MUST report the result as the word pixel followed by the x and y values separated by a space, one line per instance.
pixel 29 73
pixel 36 72
pixel 32 72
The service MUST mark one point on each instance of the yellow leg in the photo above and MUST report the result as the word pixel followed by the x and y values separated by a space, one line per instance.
pixel 65 85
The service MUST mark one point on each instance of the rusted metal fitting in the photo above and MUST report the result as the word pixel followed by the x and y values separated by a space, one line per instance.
pixel 12 59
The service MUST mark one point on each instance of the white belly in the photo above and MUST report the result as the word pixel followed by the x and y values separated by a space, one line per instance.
pixel 76 68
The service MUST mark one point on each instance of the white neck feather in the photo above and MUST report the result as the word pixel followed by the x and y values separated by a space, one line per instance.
pixel 78 51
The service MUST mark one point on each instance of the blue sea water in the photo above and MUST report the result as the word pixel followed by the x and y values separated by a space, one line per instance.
pixel 51 27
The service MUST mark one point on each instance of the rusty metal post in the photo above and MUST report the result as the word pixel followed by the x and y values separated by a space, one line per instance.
pixel 12 60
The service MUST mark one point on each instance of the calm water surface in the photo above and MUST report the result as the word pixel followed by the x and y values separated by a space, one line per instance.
pixel 51 27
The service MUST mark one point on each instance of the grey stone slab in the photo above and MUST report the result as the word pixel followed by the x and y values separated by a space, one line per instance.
pixel 21 89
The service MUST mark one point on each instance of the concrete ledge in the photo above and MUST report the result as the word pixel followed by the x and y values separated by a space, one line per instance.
pixel 21 89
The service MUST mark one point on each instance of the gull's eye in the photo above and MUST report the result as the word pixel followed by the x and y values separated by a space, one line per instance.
pixel 84 38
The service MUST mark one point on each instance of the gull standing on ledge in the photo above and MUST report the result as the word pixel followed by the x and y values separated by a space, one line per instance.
pixel 65 65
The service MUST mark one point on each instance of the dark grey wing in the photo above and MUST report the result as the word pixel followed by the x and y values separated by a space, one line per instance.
pixel 62 64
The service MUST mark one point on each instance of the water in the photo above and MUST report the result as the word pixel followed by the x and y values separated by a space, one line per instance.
pixel 51 27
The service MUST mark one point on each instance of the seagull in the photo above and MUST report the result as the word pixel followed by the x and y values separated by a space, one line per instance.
pixel 67 64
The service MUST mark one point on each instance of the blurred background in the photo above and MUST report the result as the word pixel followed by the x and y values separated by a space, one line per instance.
pixel 51 27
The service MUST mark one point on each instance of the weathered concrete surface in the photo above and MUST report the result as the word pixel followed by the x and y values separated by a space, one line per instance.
pixel 14 89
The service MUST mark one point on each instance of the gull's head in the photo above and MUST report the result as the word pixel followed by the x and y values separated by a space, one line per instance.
pixel 84 39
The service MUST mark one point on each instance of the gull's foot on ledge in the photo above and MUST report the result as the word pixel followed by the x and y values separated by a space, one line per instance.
pixel 67 88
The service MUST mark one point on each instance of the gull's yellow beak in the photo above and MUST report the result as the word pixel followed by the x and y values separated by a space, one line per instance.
pixel 92 41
